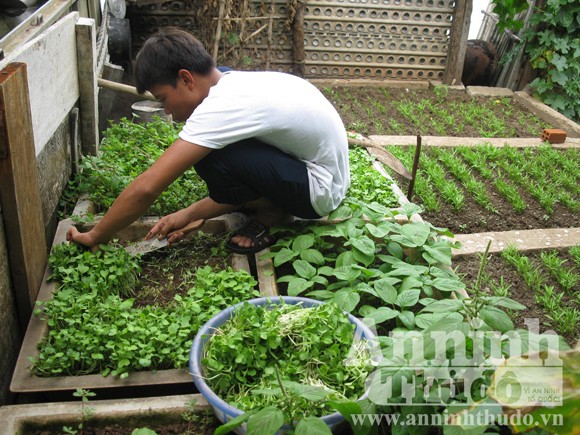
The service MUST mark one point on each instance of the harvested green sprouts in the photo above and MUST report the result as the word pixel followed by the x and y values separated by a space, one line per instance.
pixel 287 356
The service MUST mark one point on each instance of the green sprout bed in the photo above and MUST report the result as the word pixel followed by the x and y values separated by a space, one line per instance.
pixel 127 150
pixel 94 327
pixel 366 183
pixel 446 176
pixel 439 112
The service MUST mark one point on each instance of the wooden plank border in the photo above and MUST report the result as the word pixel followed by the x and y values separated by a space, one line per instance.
pixel 19 190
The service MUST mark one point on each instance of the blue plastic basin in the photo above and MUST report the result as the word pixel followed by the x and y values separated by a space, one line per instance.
pixel 222 410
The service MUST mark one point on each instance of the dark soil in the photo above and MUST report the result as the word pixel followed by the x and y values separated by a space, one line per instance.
pixel 498 269
pixel 168 271
pixel 358 109
pixel 473 218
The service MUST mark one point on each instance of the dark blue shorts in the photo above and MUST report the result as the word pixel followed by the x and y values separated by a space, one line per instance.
pixel 250 169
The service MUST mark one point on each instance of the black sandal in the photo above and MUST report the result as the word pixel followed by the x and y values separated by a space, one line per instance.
pixel 256 231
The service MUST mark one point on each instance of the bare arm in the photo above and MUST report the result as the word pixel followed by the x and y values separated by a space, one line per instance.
pixel 134 201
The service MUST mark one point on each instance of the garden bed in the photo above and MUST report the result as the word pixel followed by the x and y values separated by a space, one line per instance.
pixel 485 188
pixel 373 110
pixel 547 282
pixel 25 381
pixel 166 415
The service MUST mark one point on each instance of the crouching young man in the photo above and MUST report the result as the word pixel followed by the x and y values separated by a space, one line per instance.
pixel 265 141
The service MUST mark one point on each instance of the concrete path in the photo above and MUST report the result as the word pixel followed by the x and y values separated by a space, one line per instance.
pixel 442 141
pixel 524 240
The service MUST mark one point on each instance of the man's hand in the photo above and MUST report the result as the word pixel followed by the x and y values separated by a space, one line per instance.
pixel 169 223
pixel 86 239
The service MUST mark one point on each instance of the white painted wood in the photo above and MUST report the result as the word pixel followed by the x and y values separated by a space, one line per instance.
pixel 51 60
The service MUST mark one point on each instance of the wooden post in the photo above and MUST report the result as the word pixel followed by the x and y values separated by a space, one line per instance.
pixel 458 42
pixel 19 190
pixel 218 31
pixel 298 56
pixel 88 90
pixel 414 169
pixel 270 29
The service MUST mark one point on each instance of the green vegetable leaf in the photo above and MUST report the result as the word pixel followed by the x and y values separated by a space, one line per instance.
pixel 408 318
pixel 381 314
pixel 303 242
pixel 496 319
pixel 283 256
pixel 346 299
pixel 266 421
pixel 234 423
pixel 312 256
pixel 304 269
pixel 412 234
pixel 385 289
pixel 312 426
pixel 408 298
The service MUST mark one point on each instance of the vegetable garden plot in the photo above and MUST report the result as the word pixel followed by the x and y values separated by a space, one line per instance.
pixel 366 183
pixel 91 323
pixel 370 267
pixel 438 112
pixel 127 150
pixel 485 188
pixel 398 275
pixel 546 282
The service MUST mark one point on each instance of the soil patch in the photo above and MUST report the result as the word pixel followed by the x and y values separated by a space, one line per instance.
pixel 500 272
pixel 171 270
pixel 393 111
pixel 474 218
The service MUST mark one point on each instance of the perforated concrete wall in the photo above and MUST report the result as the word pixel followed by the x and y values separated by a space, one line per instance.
pixel 402 39
pixel 377 38
pixel 405 39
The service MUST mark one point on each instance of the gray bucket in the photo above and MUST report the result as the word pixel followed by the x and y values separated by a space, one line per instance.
pixel 146 111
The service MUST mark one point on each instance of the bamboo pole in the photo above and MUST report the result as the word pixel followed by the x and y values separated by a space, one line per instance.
pixel 298 55
pixel 218 31
pixel 120 87
pixel 270 25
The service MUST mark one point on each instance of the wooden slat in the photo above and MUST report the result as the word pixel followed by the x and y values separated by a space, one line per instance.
pixel 87 69
pixel 458 42
pixel 51 63
pixel 382 155
pixel 19 190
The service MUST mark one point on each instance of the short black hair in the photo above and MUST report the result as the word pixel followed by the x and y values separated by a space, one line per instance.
pixel 165 53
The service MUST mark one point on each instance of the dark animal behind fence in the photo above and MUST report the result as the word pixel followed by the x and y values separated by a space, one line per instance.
pixel 480 63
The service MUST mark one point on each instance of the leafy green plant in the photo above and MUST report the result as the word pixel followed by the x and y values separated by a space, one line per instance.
pixel 94 328
pixel 367 184
pixel 552 45
pixel 375 267
pixel 86 412
pixel 128 149
pixel 566 277
pixel 283 363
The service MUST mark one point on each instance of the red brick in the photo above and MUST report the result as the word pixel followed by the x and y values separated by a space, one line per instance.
pixel 553 135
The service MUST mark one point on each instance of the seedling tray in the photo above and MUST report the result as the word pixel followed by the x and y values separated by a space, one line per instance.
pixel 167 381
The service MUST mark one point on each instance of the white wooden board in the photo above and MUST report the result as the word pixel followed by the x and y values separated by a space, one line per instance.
pixel 51 61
